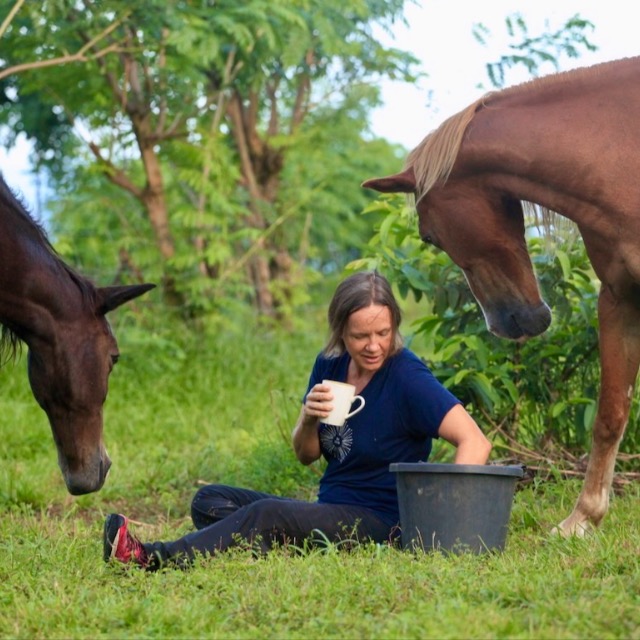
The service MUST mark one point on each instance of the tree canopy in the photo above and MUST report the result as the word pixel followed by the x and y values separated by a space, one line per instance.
pixel 209 142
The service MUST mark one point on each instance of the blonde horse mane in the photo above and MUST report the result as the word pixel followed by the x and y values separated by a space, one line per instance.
pixel 433 159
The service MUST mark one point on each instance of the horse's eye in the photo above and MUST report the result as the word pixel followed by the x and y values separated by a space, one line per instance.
pixel 114 358
pixel 427 239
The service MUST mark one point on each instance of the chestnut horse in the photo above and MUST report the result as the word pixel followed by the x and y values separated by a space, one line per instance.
pixel 61 317
pixel 568 143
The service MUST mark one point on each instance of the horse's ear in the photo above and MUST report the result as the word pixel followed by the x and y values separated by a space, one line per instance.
pixel 404 182
pixel 110 298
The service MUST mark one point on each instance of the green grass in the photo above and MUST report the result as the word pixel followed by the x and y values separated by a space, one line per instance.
pixel 220 407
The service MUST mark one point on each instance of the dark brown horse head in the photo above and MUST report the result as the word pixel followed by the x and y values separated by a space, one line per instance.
pixel 69 364
pixel 483 233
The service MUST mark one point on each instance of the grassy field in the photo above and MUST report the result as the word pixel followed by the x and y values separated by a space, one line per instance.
pixel 220 407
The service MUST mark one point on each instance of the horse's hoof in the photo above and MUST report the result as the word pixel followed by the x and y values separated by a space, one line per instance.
pixel 572 527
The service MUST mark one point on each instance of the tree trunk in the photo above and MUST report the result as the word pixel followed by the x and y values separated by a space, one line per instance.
pixel 261 167
pixel 260 276
pixel 154 200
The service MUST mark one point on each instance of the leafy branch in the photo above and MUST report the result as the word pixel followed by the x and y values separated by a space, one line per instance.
pixel 532 52
pixel 79 56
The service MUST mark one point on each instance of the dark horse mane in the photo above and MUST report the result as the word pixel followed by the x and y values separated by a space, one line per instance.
pixel 12 205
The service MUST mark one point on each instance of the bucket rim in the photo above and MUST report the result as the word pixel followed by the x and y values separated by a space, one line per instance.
pixel 438 467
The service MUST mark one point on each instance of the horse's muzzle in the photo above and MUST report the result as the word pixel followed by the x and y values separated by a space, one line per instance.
pixel 88 480
pixel 519 323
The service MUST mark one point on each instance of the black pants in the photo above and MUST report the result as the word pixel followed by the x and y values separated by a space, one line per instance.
pixel 227 516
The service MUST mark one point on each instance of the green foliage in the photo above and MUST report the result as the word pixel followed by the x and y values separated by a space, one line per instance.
pixel 536 393
pixel 536 52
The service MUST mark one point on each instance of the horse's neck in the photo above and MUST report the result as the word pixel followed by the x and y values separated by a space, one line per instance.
pixel 565 157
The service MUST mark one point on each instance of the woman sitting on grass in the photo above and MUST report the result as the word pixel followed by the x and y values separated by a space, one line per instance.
pixel 406 407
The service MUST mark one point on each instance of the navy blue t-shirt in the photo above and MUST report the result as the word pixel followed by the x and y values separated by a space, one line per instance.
pixel 404 406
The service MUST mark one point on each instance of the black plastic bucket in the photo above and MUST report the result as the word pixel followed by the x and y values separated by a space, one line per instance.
pixel 455 507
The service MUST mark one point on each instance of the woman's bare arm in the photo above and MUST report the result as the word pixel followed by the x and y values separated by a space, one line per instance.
pixel 461 430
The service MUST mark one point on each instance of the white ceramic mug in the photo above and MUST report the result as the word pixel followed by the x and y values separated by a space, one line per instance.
pixel 344 395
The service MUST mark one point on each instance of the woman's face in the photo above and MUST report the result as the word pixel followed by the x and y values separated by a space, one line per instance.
pixel 368 337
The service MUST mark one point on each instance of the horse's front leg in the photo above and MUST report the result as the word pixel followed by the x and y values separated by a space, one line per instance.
pixel 619 359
